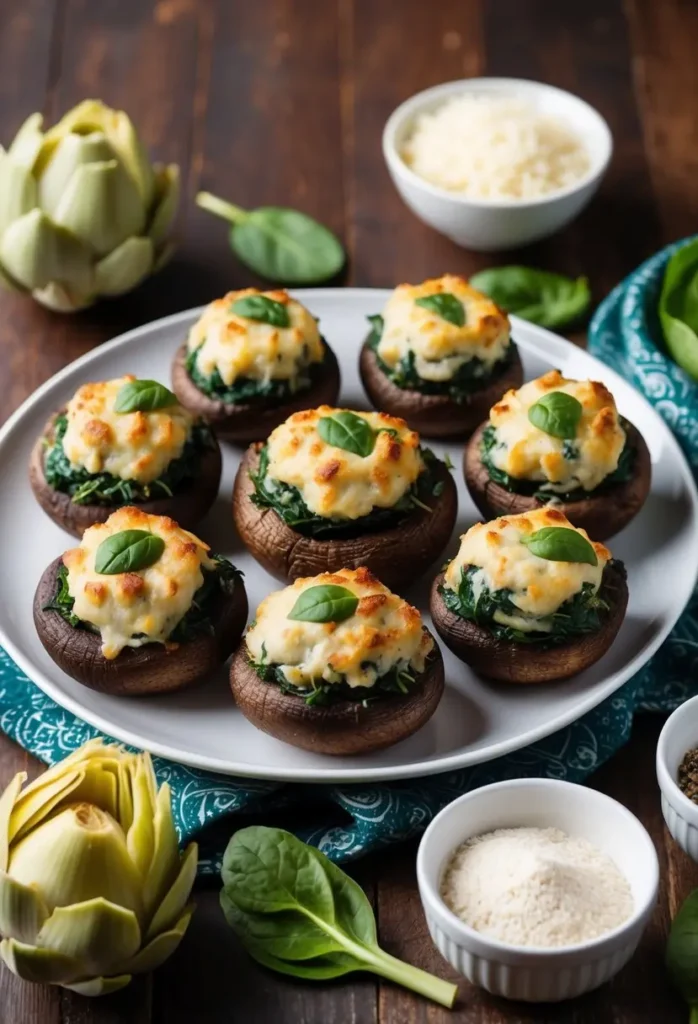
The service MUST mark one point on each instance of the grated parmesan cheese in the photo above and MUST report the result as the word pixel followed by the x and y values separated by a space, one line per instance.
pixel 495 147
pixel 536 887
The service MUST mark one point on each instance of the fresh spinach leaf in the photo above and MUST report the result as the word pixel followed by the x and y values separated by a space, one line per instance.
pixel 143 396
pixel 128 551
pixel 560 544
pixel 550 300
pixel 298 913
pixel 324 603
pixel 445 305
pixel 348 431
pixel 377 324
pixel 557 414
pixel 263 309
pixel 678 308
pixel 682 952
pixel 281 244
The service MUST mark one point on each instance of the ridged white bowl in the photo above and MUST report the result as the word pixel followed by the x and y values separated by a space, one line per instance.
pixel 680 733
pixel 537 974
pixel 487 225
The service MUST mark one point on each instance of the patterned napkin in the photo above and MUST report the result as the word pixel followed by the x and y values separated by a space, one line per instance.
pixel 346 821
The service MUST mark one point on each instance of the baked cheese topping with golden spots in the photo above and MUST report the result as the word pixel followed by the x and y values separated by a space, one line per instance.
pixel 528 453
pixel 538 586
pixel 384 632
pixel 441 348
pixel 335 483
pixel 149 602
pixel 129 445
pixel 237 346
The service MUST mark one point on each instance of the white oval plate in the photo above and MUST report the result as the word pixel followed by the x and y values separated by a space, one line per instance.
pixel 476 720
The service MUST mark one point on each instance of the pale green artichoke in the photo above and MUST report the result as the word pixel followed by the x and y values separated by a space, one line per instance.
pixel 83 213
pixel 92 886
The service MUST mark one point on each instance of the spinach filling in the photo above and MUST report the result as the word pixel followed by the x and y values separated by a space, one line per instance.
pixel 223 579
pixel 397 681
pixel 623 472
pixel 581 614
pixel 245 389
pixel 105 489
pixel 468 378
pixel 289 506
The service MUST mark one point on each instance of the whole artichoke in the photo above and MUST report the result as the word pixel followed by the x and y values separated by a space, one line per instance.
pixel 92 886
pixel 83 213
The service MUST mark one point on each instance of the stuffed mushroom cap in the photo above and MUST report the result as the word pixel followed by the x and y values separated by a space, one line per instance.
pixel 338 664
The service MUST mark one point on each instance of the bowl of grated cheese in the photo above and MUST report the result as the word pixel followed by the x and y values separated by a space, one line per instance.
pixel 496 163
pixel 537 889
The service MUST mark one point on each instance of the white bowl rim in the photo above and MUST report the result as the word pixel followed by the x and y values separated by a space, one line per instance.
pixel 667 783
pixel 413 103
pixel 485 945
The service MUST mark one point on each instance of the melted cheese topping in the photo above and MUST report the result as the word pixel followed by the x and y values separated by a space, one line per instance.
pixel 440 348
pixel 337 483
pixel 151 601
pixel 527 453
pixel 132 445
pixel 239 347
pixel 538 586
pixel 383 633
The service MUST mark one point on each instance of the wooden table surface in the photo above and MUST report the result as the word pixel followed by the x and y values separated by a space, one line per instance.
pixel 283 101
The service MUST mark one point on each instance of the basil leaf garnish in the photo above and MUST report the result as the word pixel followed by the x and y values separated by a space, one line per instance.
pixel 348 431
pixel 262 308
pixel 128 551
pixel 560 544
pixel 377 324
pixel 445 305
pixel 143 396
pixel 324 603
pixel 557 414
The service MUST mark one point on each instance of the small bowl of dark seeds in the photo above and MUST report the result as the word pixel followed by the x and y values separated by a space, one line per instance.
pixel 677 774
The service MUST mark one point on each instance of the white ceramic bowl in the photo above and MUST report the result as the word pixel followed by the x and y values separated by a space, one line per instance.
pixel 537 974
pixel 680 733
pixel 488 225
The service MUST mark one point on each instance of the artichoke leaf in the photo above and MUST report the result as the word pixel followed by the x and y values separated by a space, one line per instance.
pixel 22 910
pixel 139 838
pixel 99 986
pixel 165 863
pixel 121 270
pixel 26 144
pixel 161 947
pixel 166 201
pixel 125 141
pixel 70 153
pixel 35 804
pixel 98 787
pixel 176 898
pixel 54 296
pixel 35 252
pixel 101 206
pixel 96 933
pixel 7 802
pixel 17 190
pixel 31 963
pixel 163 256
pixel 125 796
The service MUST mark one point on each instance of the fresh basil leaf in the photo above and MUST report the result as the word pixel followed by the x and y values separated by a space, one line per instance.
pixel 560 544
pixel 299 914
pixel 682 950
pixel 377 324
pixel 281 244
pixel 550 300
pixel 557 414
pixel 348 431
pixel 262 308
pixel 445 305
pixel 128 551
pixel 678 308
pixel 324 603
pixel 143 396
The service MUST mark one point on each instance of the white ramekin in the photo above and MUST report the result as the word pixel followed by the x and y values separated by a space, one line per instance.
pixel 488 225
pixel 680 733
pixel 537 974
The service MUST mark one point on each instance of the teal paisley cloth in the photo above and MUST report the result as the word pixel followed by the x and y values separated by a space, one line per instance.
pixel 347 821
